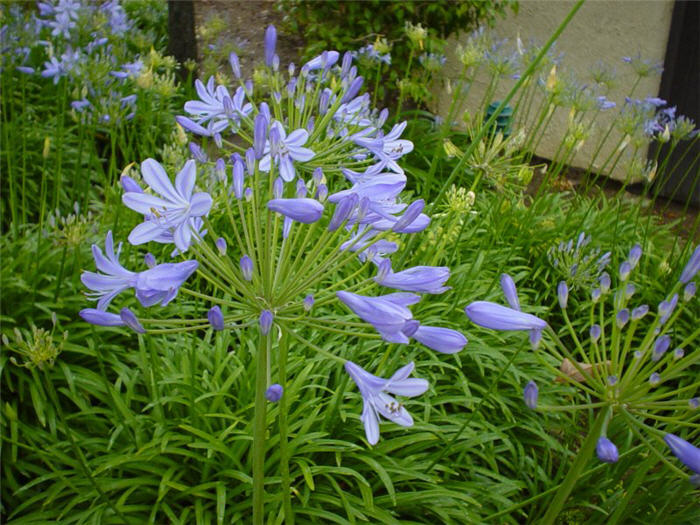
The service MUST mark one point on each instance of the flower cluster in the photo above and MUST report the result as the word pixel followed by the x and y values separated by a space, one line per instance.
pixel 302 181
pixel 626 361
pixel 579 264
pixel 88 44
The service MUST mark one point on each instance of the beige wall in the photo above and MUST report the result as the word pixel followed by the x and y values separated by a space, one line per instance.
pixel 602 30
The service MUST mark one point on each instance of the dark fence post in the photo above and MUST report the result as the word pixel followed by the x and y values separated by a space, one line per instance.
pixel 679 86
pixel 182 43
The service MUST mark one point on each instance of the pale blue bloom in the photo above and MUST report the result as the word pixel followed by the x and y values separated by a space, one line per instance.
pixel 173 210
pixel 687 453
pixel 289 148
pixel 376 400
pixel 530 395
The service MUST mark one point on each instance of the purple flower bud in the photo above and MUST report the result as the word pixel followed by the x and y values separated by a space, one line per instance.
pixel 249 87
pixel 660 347
pixel 691 267
pixel 250 161
pixel 275 139
pixel 287 227
pixel 322 193
pixel 689 291
pixel 246 264
pixel 275 63
pixel 278 188
pixel 300 210
pixel 622 317
pixel 410 214
pixel 323 101
pixel 259 135
pixel 383 115
pixel 150 260
pixel 678 353
pixel 563 294
pixel 301 189
pixel 221 245
pixel 342 211
pixel 345 64
pixel 220 169
pixel 606 450
pixel 318 176
pixel 694 402
pixel 130 184
pixel 595 295
pixel 265 320
pixel 612 380
pixel 238 178
pixel 497 317
pixel 666 309
pixel 353 90
pixel 291 68
pixel 530 394
pixel 131 321
pixel 248 194
pixel 310 125
pixel 625 269
pixel 270 43
pixel 100 318
pixel 509 291
pixel 595 332
pixel 535 337
pixel 235 65
pixel 687 453
pixel 383 270
pixel 604 282
pixel 308 302
pixel 629 290
pixel 634 255
pixel 443 340
pixel 216 318
pixel 639 312
pixel 654 379
pixel 198 153
pixel 274 393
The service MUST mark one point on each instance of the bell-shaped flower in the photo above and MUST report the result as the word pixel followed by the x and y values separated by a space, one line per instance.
pixel 376 400
pixel 101 318
pixel 498 317
pixel 420 279
pixel 172 211
pixel 388 148
pixel 687 453
pixel 215 109
pixel 161 283
pixel 387 313
pixel 288 149
pixel 114 278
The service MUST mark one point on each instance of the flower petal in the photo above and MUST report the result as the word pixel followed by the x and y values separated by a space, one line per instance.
pixel 184 181
pixel 156 177
pixel 145 232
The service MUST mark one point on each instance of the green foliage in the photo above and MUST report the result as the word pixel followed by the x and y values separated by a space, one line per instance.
pixel 351 25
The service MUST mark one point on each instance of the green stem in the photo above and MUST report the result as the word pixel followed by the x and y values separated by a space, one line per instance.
pixel 284 449
pixel 259 429
pixel 584 454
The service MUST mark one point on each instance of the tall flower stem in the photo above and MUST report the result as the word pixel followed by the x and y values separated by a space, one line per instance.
pixel 582 458
pixel 259 428
pixel 284 449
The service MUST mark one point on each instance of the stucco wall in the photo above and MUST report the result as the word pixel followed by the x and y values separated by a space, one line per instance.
pixel 602 30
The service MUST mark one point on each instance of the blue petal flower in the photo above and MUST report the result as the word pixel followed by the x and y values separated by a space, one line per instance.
pixel 606 450
pixel 377 402
pixel 421 279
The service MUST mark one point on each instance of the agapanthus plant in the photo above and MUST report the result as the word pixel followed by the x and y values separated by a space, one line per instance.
pixel 304 210
pixel 630 363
